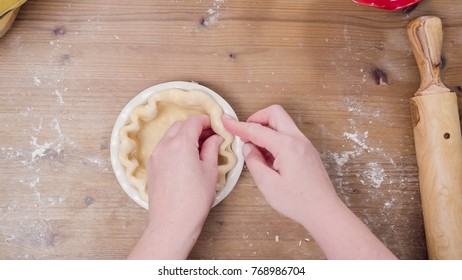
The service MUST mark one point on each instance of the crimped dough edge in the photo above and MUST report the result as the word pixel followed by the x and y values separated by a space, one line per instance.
pixel 148 111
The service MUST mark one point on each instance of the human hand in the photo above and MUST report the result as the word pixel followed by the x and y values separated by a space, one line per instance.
pixel 182 177
pixel 289 172
pixel 285 165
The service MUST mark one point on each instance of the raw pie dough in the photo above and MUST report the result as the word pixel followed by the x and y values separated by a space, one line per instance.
pixel 149 122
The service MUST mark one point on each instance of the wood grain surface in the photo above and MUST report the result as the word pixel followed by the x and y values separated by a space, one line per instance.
pixel 344 72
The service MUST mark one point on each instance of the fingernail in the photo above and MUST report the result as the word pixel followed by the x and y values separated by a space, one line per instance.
pixel 246 150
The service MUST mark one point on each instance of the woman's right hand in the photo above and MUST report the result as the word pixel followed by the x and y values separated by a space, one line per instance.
pixel 285 165
pixel 289 172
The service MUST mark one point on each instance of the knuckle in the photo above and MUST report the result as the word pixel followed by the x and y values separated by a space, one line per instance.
pixel 290 141
pixel 175 144
pixel 298 145
pixel 249 127
pixel 177 124
pixel 277 107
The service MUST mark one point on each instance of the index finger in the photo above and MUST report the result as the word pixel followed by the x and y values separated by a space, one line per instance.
pixel 275 117
pixel 261 136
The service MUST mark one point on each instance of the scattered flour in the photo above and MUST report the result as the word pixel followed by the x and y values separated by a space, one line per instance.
pixel 50 148
pixel 344 157
pixel 11 153
pixel 59 95
pixel 34 182
pixel 38 151
pixel 369 161
pixel 358 139
pixel 99 162
pixel 37 81
pixel 375 174
pixel 358 109
pixel 213 13
pixel 389 204
pixel 25 113
pixel 31 154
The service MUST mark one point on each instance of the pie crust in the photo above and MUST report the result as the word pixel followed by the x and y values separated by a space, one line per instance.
pixel 148 123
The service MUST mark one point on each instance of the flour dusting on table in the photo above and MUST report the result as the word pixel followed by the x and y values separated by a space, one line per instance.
pixel 213 13
pixel 375 174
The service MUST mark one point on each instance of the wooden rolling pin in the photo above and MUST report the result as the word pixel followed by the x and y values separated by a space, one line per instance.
pixel 438 143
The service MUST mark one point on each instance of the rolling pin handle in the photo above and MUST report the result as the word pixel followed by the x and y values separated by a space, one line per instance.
pixel 426 38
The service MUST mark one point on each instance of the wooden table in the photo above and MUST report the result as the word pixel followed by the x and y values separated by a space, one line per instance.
pixel 344 72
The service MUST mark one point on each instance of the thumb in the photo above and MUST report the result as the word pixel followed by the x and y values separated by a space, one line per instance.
pixel 262 173
pixel 209 151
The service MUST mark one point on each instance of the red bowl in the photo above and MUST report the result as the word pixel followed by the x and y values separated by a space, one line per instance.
pixel 387 4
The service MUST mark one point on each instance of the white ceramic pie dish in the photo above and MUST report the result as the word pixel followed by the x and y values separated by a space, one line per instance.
pixel 231 177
